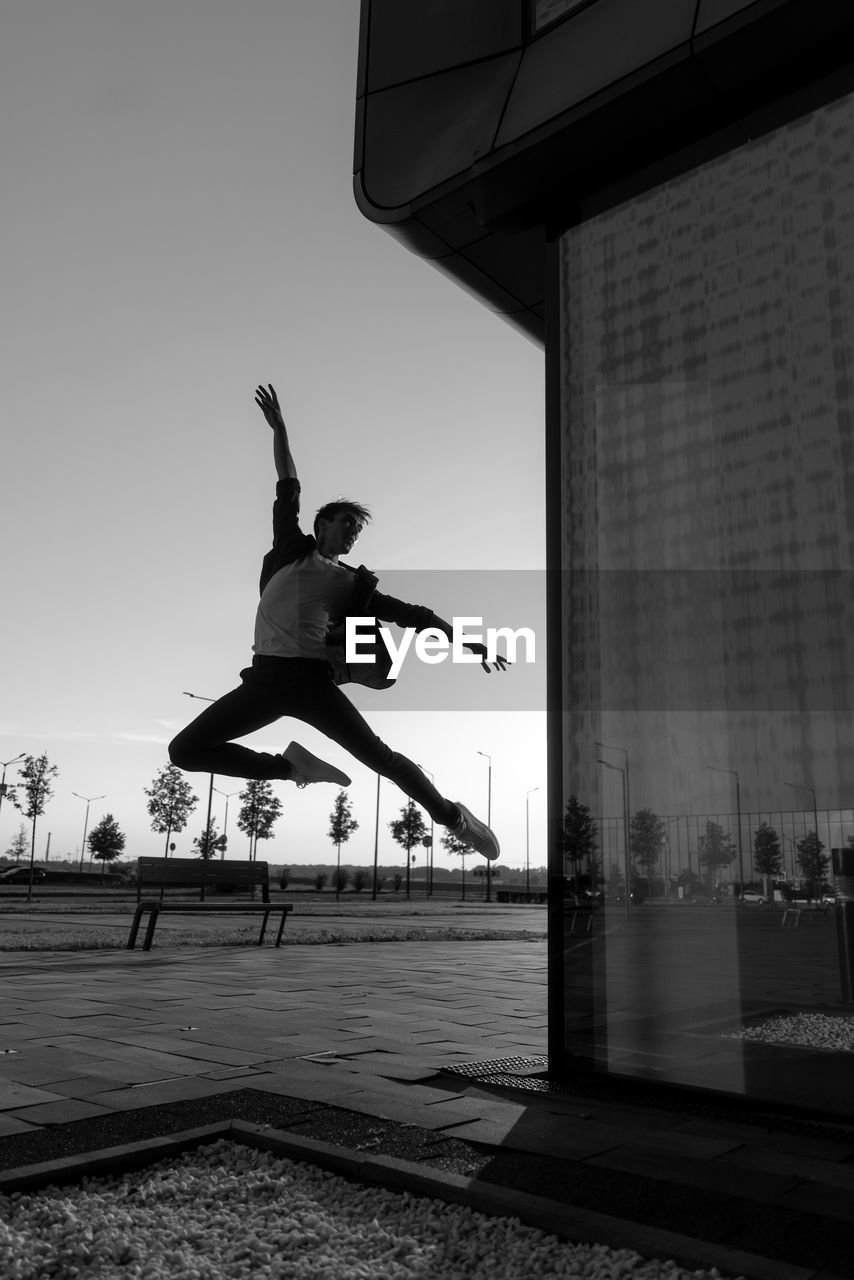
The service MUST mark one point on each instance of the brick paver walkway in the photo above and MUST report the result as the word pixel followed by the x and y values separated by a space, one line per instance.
pixel 368 1028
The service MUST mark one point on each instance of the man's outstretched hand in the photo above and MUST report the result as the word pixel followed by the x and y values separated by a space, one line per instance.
pixel 268 402
pixel 500 664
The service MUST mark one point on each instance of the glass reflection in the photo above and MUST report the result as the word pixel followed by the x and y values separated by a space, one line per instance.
pixel 707 612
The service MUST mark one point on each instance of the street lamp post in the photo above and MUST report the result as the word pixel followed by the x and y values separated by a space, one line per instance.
pixel 430 859
pixel 668 870
pixel 89 800
pixel 791 841
pixel 624 750
pixel 528 840
pixel 228 795
pixel 799 787
pixel 5 764
pixel 377 840
pixel 488 823
pixel 622 774
pixel 201 698
pixel 734 774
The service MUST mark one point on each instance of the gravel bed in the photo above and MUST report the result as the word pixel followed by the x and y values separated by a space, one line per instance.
pixel 808 1030
pixel 229 1212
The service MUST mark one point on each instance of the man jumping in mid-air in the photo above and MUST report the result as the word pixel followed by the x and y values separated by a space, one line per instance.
pixel 305 592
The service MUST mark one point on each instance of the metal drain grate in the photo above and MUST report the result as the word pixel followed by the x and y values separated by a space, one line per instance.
pixel 514 1067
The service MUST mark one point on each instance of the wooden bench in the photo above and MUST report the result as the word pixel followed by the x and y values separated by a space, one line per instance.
pixel 522 895
pixel 202 874
pixel 804 915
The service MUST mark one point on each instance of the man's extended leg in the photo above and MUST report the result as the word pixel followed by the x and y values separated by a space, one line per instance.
pixel 330 711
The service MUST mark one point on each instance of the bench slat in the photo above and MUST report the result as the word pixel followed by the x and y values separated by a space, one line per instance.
pixel 199 873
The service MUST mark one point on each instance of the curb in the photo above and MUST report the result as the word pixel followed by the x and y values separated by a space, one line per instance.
pixel 565 1221
pixel 551 1216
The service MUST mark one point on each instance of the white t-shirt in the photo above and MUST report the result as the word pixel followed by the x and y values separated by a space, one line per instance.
pixel 299 604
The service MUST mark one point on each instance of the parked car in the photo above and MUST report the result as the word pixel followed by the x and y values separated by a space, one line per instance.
pixel 750 895
pixel 21 875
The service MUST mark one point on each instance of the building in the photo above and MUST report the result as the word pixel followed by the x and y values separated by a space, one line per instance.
pixel 663 196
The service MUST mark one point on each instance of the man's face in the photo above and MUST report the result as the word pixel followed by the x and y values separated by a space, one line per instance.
pixel 338 535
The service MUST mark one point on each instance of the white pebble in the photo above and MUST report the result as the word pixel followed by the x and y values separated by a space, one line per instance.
pixel 227 1212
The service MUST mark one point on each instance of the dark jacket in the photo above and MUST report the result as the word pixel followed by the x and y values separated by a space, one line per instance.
pixel 291 544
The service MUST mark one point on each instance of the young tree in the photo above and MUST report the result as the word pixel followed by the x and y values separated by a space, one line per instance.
pixel 453 845
pixel 340 879
pixel 171 800
pixel 259 810
pixel 408 830
pixel 646 836
pixel 813 863
pixel 716 849
pixel 209 844
pixel 361 878
pixel 579 837
pixel 342 824
pixel 106 841
pixel 18 844
pixel 767 855
pixel 32 792
pixel 320 880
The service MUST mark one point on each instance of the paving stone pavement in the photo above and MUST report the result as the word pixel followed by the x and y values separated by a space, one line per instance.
pixel 368 1028
pixel 114 1030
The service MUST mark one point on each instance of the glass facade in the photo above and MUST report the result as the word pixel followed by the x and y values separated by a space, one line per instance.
pixel 707 494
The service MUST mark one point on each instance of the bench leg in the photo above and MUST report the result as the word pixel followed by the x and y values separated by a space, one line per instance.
pixel 265 917
pixel 154 912
pixel 134 929
pixel 282 918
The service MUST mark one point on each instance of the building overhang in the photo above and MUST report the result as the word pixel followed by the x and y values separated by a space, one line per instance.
pixel 479 138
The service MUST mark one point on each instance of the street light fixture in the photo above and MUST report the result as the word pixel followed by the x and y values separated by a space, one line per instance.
pixel 201 698
pixel 800 787
pixel 488 823
pixel 528 840
pixel 734 774
pixel 5 764
pixel 624 750
pixel 228 795
pixel 89 800
pixel 622 774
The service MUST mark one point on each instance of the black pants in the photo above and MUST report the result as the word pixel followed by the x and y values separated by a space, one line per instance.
pixel 302 688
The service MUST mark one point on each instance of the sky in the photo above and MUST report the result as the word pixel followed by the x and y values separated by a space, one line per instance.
pixel 179 225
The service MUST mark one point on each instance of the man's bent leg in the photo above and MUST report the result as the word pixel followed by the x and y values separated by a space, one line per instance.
pixel 205 745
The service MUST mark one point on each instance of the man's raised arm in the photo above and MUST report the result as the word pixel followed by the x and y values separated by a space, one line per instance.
pixel 268 403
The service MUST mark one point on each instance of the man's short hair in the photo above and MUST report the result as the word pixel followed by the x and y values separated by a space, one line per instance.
pixel 331 509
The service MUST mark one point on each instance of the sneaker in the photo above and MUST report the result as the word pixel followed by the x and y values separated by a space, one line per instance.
pixel 306 768
pixel 476 834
